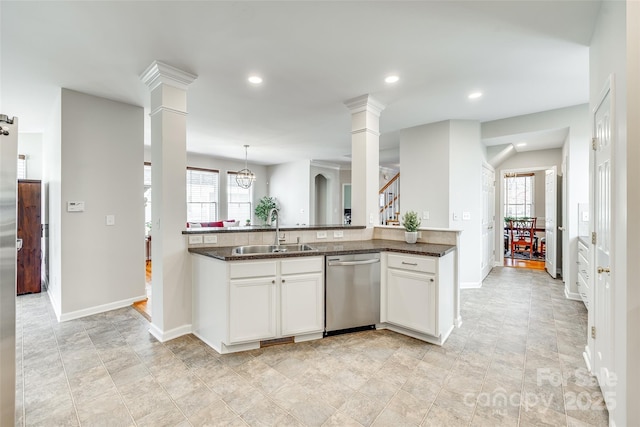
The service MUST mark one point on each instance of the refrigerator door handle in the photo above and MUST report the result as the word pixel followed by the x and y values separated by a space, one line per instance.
pixel 19 244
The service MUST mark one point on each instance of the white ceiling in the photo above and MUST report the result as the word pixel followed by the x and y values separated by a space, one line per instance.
pixel 525 56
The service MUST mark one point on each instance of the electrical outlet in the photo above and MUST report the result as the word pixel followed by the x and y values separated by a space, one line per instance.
pixel 211 239
pixel 425 215
pixel 466 216
pixel 321 235
pixel 194 240
pixel 370 218
pixel 338 233
pixel 110 220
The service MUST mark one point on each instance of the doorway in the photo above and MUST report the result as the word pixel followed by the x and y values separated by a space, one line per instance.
pixel 322 199
pixel 524 194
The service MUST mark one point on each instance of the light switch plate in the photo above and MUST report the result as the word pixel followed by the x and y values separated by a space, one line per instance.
pixel 338 233
pixel 456 216
pixel 321 235
pixel 110 220
pixel 211 239
pixel 194 240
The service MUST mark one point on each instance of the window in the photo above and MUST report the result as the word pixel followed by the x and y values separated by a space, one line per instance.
pixel 238 200
pixel 518 190
pixel 202 195
pixel 147 197
pixel 22 166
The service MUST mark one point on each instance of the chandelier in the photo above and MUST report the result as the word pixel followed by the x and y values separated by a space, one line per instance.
pixel 245 177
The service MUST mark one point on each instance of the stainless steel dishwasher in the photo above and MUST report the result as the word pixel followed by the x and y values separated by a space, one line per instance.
pixel 352 286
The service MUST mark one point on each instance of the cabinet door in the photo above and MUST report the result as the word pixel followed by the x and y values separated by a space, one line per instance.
pixel 411 300
pixel 302 303
pixel 252 309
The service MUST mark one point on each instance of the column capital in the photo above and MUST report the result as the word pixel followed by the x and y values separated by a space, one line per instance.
pixel 160 73
pixel 364 103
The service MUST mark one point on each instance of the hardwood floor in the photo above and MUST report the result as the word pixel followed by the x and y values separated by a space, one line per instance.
pixel 144 306
pixel 523 263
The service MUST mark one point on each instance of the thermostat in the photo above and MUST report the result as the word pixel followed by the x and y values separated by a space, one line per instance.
pixel 75 206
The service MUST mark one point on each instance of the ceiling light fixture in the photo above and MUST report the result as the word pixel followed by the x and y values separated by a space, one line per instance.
pixel 475 95
pixel 256 80
pixel 244 177
pixel 391 79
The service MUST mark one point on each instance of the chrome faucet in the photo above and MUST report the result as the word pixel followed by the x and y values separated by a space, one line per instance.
pixel 277 212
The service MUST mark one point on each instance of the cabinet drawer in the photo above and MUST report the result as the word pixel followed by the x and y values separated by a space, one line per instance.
pixel 412 263
pixel 301 265
pixel 243 269
pixel 583 250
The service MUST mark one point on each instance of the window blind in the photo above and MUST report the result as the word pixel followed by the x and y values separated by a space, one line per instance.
pixel 202 195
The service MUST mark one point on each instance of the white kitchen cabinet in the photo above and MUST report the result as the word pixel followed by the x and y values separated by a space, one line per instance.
pixel 301 296
pixel 584 284
pixel 252 309
pixel 237 304
pixel 417 296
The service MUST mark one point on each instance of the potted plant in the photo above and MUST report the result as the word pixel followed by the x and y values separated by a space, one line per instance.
pixel 410 222
pixel 264 207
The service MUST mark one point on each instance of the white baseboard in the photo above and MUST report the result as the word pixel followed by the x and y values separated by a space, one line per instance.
pixel 99 309
pixel 54 305
pixel 470 285
pixel 164 336
pixel 572 295
pixel 458 321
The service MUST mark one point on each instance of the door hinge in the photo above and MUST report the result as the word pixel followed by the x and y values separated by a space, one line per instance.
pixel 594 238
pixel 593 332
pixel 594 144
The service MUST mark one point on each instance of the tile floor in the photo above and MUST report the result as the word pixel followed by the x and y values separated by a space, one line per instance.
pixel 516 361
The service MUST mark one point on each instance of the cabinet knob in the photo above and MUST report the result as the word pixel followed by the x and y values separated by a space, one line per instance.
pixel 282 280
pixel 432 280
pixel 273 282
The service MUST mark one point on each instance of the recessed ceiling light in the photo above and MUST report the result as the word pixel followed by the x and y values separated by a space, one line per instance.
pixel 391 79
pixel 521 144
pixel 256 80
pixel 475 95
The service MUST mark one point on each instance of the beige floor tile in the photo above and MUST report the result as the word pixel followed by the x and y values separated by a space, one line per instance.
pixel 362 408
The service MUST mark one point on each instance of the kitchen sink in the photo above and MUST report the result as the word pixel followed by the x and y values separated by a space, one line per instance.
pixel 269 249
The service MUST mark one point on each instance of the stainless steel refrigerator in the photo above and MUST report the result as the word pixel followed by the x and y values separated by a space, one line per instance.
pixel 8 194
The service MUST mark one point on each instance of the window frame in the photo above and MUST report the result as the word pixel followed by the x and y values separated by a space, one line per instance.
pixel 215 203
pixel 527 204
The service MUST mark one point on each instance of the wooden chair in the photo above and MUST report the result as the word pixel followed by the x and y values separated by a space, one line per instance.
pixel 522 233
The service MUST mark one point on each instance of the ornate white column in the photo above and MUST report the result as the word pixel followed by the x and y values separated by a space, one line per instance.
pixel 171 278
pixel 365 160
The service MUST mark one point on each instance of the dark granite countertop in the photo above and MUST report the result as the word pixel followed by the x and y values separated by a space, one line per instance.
pixel 334 248
pixel 254 228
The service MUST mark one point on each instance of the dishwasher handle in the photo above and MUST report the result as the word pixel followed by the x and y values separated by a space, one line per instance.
pixel 360 262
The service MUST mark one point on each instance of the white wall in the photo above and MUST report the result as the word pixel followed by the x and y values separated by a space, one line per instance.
pixel 334 193
pixel 424 172
pixel 289 184
pixel 465 188
pixel 608 55
pixel 632 251
pixel 101 152
pixel 30 144
pixel 441 172
pixel 52 175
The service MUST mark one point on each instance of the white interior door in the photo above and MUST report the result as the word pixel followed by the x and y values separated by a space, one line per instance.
pixel 488 220
pixel 550 207
pixel 603 301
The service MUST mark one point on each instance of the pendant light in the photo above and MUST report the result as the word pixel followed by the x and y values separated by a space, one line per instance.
pixel 245 177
